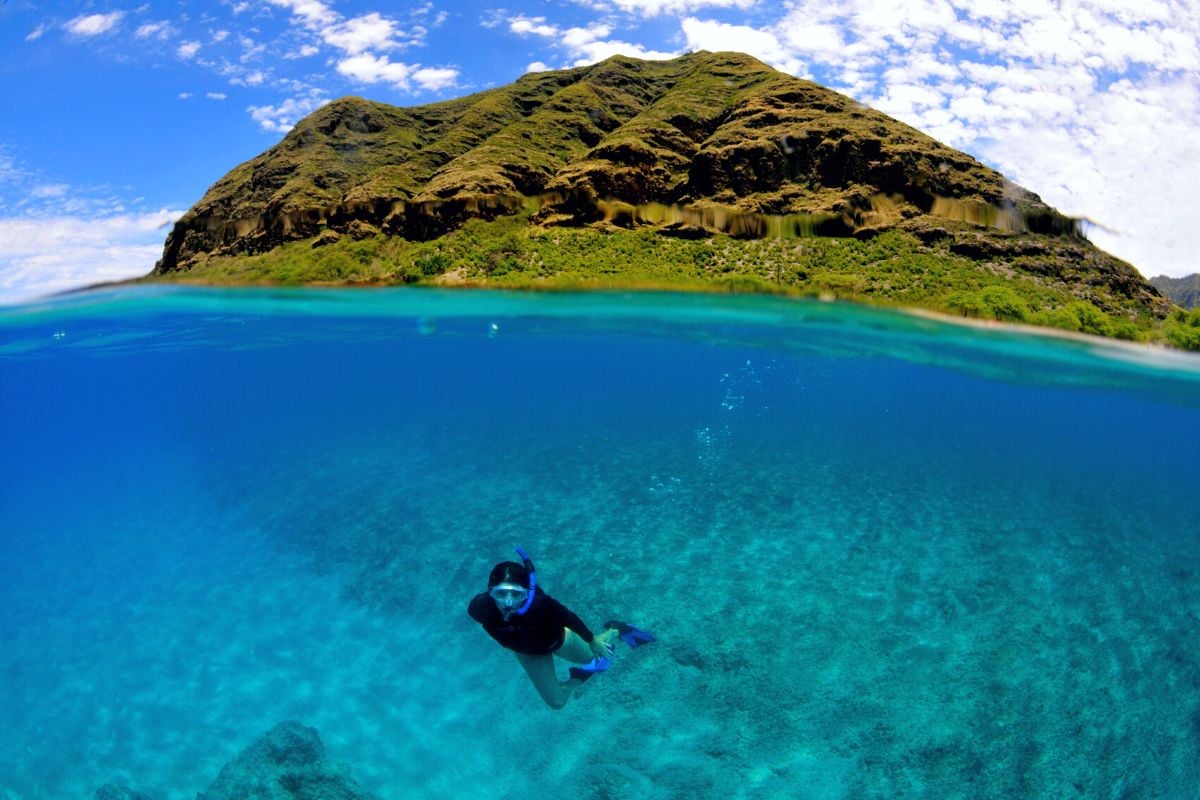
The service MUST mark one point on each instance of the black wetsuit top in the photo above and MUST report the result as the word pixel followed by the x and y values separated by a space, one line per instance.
pixel 536 632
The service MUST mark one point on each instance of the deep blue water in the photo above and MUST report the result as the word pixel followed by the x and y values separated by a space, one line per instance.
pixel 884 556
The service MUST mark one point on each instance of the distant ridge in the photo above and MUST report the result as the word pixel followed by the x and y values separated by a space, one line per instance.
pixel 1183 291
pixel 705 145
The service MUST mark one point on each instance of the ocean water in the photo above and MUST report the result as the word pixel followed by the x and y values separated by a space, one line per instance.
pixel 884 557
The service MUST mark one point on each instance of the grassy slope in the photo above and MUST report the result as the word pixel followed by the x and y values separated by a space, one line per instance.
pixel 894 268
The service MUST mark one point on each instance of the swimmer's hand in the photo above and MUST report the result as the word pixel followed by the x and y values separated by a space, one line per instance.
pixel 602 645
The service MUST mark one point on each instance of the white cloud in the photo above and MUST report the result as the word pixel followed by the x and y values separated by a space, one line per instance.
pixel 237 74
pixel 282 118
pixel 493 18
pixel 184 95
pixel 43 255
pixel 305 51
pixel 364 42
pixel 762 44
pixel 251 49
pixel 653 8
pixel 367 68
pixel 368 32
pixel 532 25
pixel 311 13
pixel 36 33
pixel 48 191
pixel 593 52
pixel 9 171
pixel 820 38
pixel 578 38
pixel 154 30
pixel 94 24
pixel 188 50
pixel 354 36
pixel 1128 160
pixel 435 78
pixel 586 45
pixel 215 95
pixel 537 66
pixel 905 99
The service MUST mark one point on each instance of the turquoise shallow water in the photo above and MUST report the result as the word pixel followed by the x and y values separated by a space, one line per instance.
pixel 884 557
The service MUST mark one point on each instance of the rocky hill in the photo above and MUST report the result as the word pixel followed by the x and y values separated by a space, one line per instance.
pixel 708 146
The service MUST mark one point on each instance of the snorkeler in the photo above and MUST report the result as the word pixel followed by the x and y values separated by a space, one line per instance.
pixel 536 627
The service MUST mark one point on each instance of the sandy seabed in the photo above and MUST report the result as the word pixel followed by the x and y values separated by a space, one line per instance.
pixel 953 590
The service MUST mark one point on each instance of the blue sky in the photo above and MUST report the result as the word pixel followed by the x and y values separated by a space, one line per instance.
pixel 115 116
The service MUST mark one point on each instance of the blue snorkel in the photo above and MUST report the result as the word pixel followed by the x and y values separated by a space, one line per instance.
pixel 532 580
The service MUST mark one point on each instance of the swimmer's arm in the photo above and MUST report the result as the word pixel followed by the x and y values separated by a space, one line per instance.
pixel 478 607
pixel 568 618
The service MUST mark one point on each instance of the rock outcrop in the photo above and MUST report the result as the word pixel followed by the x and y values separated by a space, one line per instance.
pixel 286 763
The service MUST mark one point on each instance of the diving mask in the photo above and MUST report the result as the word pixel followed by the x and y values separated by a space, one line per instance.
pixel 509 595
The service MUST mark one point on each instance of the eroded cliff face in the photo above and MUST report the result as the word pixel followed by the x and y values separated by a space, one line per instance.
pixel 721 137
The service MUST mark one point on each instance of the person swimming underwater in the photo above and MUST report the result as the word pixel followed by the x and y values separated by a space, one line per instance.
pixel 518 614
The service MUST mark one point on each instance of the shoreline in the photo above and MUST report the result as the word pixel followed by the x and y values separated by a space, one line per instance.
pixel 665 287
pixel 603 285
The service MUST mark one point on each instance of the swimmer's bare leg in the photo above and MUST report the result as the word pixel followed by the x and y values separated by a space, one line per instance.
pixel 577 651
pixel 540 669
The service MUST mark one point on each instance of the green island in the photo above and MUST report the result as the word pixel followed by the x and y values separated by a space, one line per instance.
pixel 710 172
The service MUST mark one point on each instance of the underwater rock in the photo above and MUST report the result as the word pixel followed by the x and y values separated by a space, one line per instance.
pixel 286 763
pixel 115 791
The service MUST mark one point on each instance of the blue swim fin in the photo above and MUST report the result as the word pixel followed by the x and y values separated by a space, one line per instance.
pixel 593 667
pixel 630 635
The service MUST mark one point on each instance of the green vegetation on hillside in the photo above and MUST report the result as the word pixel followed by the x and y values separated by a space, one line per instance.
pixel 1182 329
pixel 894 268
